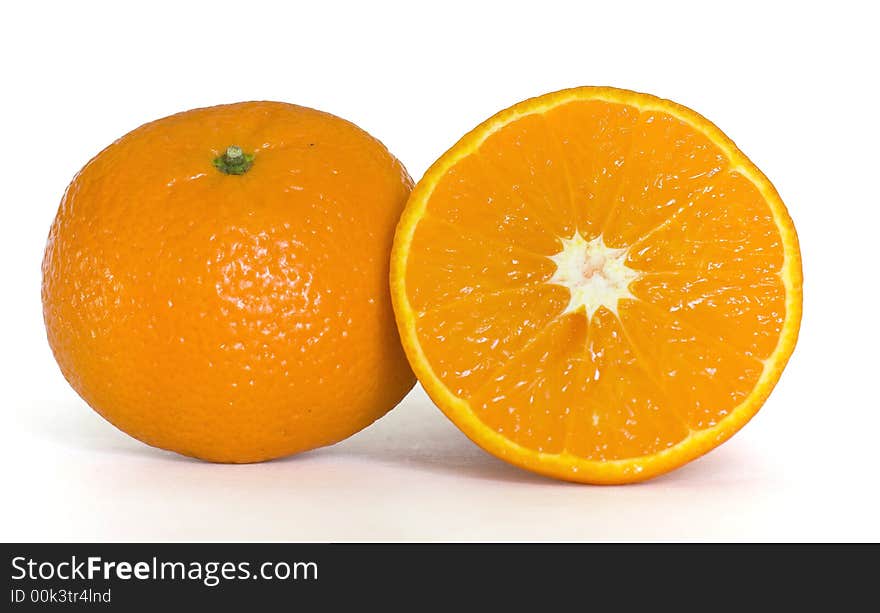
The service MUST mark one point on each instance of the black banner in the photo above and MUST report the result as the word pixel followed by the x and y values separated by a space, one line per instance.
pixel 249 577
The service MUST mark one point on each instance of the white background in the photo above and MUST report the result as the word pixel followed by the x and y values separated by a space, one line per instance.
pixel 794 84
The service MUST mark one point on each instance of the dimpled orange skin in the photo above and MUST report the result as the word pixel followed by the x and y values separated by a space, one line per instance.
pixel 233 318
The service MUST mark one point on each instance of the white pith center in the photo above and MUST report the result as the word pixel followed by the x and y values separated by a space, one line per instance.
pixel 595 274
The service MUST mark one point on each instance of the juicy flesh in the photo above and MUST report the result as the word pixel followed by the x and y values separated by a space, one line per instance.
pixel 660 329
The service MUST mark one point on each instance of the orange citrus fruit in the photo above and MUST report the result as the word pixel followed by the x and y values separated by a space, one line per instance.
pixel 216 282
pixel 597 285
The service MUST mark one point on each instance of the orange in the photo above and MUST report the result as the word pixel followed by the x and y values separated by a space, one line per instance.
pixel 597 285
pixel 215 282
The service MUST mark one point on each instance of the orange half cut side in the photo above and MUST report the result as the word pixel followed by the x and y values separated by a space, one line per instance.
pixel 597 285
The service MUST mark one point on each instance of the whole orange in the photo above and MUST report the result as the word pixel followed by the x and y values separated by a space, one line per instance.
pixel 216 282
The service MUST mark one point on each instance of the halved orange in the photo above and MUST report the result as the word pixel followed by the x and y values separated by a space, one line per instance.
pixel 597 285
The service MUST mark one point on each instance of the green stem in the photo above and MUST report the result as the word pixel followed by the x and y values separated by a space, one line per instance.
pixel 234 161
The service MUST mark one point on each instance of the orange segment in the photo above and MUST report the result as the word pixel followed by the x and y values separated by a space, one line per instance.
pixel 706 378
pixel 463 264
pixel 669 166
pixel 476 197
pixel 472 338
pixel 597 285
pixel 526 162
pixel 530 398
pixel 745 313
pixel 596 139
pixel 627 413
pixel 727 230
